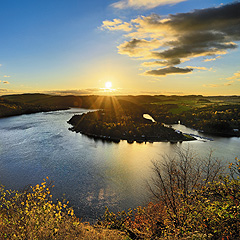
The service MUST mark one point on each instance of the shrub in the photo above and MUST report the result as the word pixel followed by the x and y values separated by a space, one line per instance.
pixel 216 211
pixel 178 176
pixel 32 214
pixel 191 201
pixel 140 223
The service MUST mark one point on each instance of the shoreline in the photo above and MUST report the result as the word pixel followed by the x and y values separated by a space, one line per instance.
pixel 132 140
pixel 216 134
pixel 26 112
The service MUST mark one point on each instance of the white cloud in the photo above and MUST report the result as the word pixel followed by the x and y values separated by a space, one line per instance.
pixel 148 4
pixel 236 76
pixel 199 68
pixel 6 76
pixel 212 59
pixel 117 24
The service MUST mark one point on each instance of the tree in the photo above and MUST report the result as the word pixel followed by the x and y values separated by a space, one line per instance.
pixel 214 211
pixel 179 175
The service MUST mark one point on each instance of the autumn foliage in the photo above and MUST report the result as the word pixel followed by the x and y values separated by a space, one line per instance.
pixel 208 210
pixel 32 214
pixel 204 207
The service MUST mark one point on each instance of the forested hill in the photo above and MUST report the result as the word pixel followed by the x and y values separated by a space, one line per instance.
pixel 11 105
pixel 11 108
pixel 215 114
pixel 90 102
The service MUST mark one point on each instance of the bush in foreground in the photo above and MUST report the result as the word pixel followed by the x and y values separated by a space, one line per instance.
pixel 208 208
pixel 31 214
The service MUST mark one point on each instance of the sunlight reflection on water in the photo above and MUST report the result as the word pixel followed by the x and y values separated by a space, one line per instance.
pixel 91 173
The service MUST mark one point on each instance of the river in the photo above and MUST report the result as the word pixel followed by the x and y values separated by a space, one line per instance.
pixel 90 174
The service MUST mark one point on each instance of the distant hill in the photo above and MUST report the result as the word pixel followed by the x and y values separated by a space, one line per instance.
pixel 11 105
pixel 30 103
pixel 12 108
pixel 91 102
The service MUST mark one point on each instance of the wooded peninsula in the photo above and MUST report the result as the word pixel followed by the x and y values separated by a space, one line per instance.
pixel 121 117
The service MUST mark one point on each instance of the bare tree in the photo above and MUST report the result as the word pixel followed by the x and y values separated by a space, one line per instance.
pixel 178 175
pixel 235 169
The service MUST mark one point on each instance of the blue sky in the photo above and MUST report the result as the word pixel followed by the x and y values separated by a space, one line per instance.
pixel 64 47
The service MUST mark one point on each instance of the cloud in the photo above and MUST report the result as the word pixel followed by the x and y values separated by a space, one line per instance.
pixel 174 93
pixel 138 47
pixel 6 76
pixel 151 92
pixel 5 82
pixel 211 85
pixel 212 59
pixel 228 83
pixel 74 91
pixel 236 76
pixel 199 68
pixel 147 4
pixel 160 93
pixel 116 24
pixel 171 62
pixel 195 44
pixel 88 91
pixel 3 90
pixel 168 70
pixel 184 36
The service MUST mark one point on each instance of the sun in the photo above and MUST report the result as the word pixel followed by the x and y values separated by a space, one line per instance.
pixel 108 85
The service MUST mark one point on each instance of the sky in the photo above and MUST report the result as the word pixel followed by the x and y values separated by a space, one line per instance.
pixel 170 47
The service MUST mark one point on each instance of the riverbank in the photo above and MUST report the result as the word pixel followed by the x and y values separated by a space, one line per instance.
pixel 10 109
pixel 18 112
pixel 228 133
pixel 149 139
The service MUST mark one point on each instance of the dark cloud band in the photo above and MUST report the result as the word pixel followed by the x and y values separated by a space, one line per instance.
pixel 170 41
pixel 168 70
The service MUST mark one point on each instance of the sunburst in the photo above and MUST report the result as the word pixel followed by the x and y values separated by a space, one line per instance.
pixel 108 85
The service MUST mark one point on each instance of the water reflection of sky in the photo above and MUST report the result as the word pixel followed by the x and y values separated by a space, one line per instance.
pixel 91 174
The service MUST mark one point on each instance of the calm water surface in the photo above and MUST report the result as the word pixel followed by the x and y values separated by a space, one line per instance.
pixel 90 174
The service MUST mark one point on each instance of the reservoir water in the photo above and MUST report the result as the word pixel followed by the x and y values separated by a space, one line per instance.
pixel 90 174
